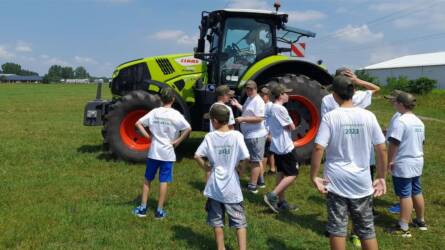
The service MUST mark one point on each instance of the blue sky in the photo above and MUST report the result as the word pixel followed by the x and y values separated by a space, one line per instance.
pixel 100 34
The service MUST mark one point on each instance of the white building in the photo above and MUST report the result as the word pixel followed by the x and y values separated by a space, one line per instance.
pixel 431 65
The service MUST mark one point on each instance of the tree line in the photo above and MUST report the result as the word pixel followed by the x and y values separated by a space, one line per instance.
pixel 55 73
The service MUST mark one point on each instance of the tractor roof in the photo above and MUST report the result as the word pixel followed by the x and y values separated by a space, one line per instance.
pixel 250 13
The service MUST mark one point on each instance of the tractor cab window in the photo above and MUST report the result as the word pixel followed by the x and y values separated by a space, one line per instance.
pixel 244 41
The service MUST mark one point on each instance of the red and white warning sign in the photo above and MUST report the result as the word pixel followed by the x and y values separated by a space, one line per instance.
pixel 297 49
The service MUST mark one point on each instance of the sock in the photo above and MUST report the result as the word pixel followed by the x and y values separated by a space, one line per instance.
pixel 261 179
pixel 144 205
pixel 420 219
pixel 403 225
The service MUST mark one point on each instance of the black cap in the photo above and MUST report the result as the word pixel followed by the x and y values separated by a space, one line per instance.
pixel 408 100
pixel 279 89
pixel 341 70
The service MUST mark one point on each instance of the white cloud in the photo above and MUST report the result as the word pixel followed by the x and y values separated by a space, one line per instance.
pixel 178 36
pixel 386 52
pixel 22 46
pixel 44 56
pixel 358 34
pixel 5 54
pixel 55 60
pixel 84 60
pixel 303 16
pixel 249 4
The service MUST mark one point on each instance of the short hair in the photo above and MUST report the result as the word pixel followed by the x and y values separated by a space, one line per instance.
pixel 220 113
pixel 167 95
pixel 340 71
pixel 343 87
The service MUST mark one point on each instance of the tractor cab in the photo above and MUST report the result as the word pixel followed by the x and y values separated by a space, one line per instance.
pixel 237 39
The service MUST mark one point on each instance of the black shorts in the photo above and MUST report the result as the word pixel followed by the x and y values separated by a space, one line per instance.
pixel 287 164
pixel 267 151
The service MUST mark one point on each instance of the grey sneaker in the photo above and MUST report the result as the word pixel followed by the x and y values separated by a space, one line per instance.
pixel 252 188
pixel 271 200
pixel 421 225
pixel 285 206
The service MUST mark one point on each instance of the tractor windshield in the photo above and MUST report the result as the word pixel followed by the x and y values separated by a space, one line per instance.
pixel 244 41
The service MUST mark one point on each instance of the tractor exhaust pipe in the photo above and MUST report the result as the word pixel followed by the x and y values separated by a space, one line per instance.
pixel 99 90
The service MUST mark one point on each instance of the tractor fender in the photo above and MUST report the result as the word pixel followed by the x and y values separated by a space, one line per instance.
pixel 155 87
pixel 289 66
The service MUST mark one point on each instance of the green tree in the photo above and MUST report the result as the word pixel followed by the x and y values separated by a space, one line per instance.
pixel 11 68
pixel 81 73
pixel 54 74
pixel 67 73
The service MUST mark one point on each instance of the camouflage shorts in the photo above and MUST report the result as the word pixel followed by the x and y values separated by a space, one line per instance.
pixel 360 210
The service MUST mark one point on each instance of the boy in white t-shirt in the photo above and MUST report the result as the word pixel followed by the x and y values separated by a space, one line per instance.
pixel 282 146
pixel 224 148
pixel 268 155
pixel 252 126
pixel 405 157
pixel 164 126
pixel 346 134
pixel 360 99
pixel 223 94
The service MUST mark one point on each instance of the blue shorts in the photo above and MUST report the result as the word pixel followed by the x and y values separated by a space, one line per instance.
pixel 165 170
pixel 407 187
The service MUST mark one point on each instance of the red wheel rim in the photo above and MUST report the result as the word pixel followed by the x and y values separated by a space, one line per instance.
pixel 313 118
pixel 130 137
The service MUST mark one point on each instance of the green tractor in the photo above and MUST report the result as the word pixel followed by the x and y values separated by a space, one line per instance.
pixel 234 46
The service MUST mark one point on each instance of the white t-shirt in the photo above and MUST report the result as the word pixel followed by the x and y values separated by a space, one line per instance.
pixel 224 150
pixel 391 124
pixel 410 131
pixel 231 117
pixel 267 114
pixel 346 133
pixel 165 125
pixel 254 106
pixel 281 138
pixel 361 99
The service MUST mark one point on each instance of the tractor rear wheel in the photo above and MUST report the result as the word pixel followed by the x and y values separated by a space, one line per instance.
pixel 120 135
pixel 304 109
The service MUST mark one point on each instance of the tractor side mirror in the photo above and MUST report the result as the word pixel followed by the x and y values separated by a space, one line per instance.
pixel 201 46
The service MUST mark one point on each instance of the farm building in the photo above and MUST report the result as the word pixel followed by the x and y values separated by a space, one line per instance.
pixel 11 78
pixel 431 65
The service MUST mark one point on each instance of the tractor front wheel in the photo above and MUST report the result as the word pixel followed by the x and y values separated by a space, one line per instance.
pixel 304 109
pixel 120 135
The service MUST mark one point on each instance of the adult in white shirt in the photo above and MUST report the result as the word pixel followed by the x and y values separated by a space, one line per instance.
pixel 405 157
pixel 346 134
pixel 360 99
pixel 167 128
pixel 252 126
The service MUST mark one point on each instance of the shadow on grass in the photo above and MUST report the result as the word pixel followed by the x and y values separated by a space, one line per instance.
pixel 318 199
pixel 308 221
pixel 194 240
pixel 89 149
pixel 198 185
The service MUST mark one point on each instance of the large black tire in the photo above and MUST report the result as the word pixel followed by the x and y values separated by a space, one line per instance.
pixel 304 108
pixel 119 133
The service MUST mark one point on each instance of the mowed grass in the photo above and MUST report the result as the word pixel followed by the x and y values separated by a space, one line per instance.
pixel 59 190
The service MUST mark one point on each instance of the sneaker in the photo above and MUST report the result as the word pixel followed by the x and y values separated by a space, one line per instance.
pixel 261 185
pixel 285 206
pixel 355 240
pixel 421 225
pixel 397 230
pixel 140 211
pixel 271 200
pixel 160 214
pixel 252 188
pixel 394 209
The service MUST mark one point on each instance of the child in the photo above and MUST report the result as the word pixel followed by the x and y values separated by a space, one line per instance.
pixel 282 146
pixel 346 133
pixel 164 124
pixel 223 94
pixel 405 157
pixel 268 156
pixel 224 148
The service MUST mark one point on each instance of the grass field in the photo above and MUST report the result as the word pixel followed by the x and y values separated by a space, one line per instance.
pixel 59 190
